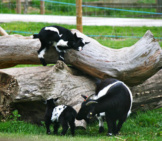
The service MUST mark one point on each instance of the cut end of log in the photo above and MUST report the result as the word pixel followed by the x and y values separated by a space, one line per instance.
pixel 8 90
pixel 3 32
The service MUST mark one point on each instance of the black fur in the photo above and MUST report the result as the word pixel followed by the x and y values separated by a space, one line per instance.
pixel 116 104
pixel 66 118
pixel 48 38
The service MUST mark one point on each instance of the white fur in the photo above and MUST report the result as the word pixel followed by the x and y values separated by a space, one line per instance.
pixel 62 57
pixel 41 54
pixel 57 112
pixel 53 29
pixel 105 90
pixel 62 43
pixel 101 124
pixel 131 99
pixel 80 48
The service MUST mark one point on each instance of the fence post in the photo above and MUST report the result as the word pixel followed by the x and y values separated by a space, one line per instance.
pixel 42 7
pixel 159 5
pixel 18 6
pixel 79 15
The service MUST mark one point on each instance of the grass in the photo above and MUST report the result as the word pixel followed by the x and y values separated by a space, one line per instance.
pixel 124 36
pixel 146 126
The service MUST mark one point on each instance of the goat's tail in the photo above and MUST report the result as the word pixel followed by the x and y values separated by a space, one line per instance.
pixel 35 36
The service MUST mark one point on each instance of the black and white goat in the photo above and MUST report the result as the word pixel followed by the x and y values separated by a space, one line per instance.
pixel 114 99
pixel 62 114
pixel 59 37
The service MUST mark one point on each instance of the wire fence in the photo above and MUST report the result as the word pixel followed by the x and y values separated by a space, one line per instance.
pixel 151 9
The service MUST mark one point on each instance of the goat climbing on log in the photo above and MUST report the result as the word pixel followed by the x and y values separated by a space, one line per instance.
pixel 61 114
pixel 112 97
pixel 59 37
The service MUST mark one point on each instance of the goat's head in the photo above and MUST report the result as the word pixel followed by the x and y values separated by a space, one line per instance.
pixel 51 103
pixel 87 109
pixel 79 43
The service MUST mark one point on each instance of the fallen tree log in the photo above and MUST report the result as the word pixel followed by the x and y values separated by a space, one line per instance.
pixel 133 65
pixel 148 95
pixel 26 89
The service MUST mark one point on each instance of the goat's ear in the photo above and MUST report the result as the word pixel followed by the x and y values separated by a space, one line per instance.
pixel 54 100
pixel 91 102
pixel 85 97
pixel 86 43
pixel 75 35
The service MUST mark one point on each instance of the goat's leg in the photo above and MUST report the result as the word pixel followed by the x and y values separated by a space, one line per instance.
pixel 64 125
pixel 101 125
pixel 41 53
pixel 110 126
pixel 48 123
pixel 121 121
pixel 60 52
pixel 114 127
pixel 61 56
pixel 56 127
pixel 72 127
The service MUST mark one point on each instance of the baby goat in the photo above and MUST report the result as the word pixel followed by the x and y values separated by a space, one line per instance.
pixel 112 97
pixel 59 37
pixel 62 114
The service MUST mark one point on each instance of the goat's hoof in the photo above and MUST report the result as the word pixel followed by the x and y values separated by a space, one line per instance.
pixel 101 129
pixel 62 134
pixel 109 134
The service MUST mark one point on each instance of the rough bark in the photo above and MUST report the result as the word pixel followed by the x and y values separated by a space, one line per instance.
pixel 3 32
pixel 149 94
pixel 133 65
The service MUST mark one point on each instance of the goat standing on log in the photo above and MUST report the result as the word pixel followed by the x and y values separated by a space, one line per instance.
pixel 112 97
pixel 59 37
pixel 62 114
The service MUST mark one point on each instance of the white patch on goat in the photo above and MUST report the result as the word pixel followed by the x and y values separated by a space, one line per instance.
pixel 101 124
pixel 62 43
pixel 131 99
pixel 53 29
pixel 83 41
pixel 104 90
pixel 41 54
pixel 80 48
pixel 61 57
pixel 57 112
pixel 102 114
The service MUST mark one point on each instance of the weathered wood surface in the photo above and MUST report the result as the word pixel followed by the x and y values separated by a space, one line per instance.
pixel 133 65
pixel 148 95
pixel 26 89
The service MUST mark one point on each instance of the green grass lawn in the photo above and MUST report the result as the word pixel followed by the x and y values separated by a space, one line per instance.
pixel 140 126
pixel 118 37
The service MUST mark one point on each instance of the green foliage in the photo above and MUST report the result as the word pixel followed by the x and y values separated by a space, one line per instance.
pixel 55 8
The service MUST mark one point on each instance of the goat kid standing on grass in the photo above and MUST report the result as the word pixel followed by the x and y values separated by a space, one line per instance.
pixel 59 37
pixel 62 114
pixel 112 98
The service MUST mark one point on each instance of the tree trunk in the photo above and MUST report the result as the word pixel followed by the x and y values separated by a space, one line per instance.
pixel 132 65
